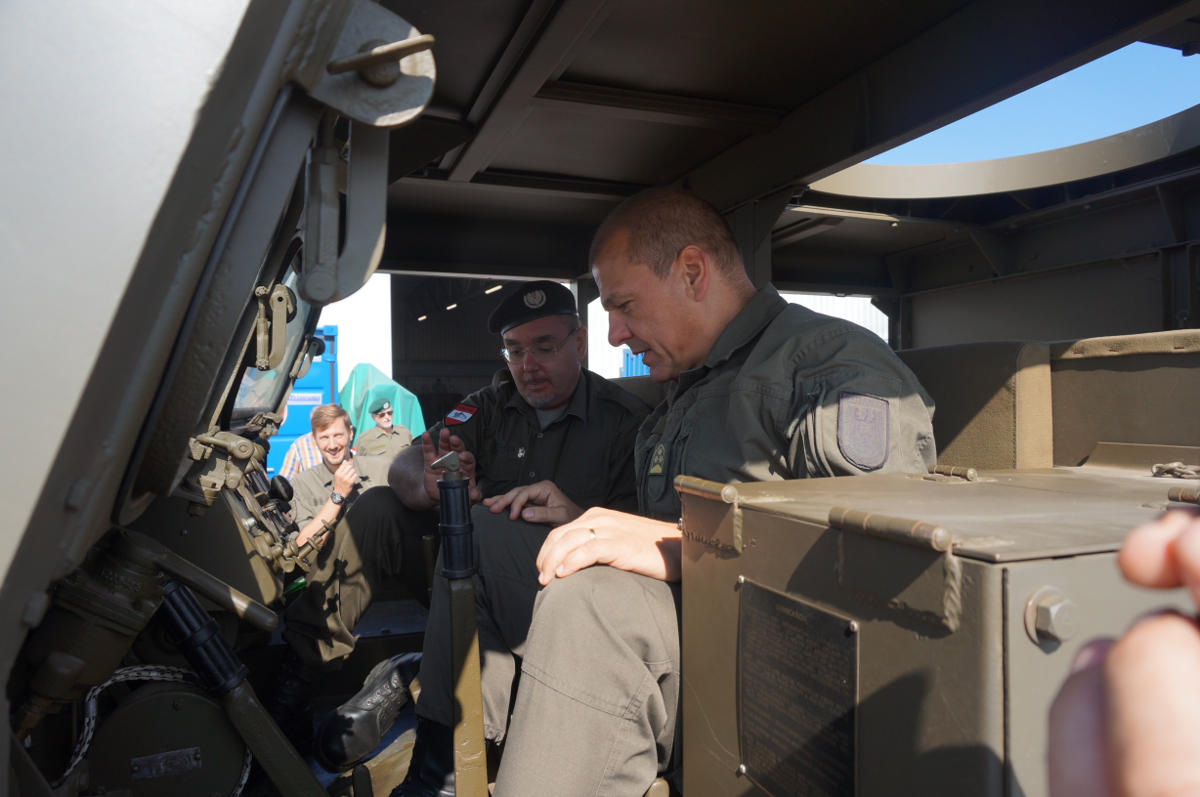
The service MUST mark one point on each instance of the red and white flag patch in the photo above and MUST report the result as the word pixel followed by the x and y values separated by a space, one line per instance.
pixel 460 414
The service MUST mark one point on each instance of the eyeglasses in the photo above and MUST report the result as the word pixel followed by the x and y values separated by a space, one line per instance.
pixel 381 414
pixel 541 353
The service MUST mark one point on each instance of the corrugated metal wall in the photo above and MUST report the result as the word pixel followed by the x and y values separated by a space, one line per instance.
pixel 852 308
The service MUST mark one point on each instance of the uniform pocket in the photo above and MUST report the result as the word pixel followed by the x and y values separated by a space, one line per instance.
pixel 504 466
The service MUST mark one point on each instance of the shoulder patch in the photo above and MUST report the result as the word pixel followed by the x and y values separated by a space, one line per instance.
pixel 863 430
pixel 658 460
pixel 460 414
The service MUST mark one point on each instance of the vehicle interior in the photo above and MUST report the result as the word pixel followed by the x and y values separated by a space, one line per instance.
pixel 1048 303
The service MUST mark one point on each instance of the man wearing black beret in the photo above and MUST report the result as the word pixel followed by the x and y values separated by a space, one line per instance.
pixel 545 422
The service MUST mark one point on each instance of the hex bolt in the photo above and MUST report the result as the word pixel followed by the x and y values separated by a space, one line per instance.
pixel 1055 616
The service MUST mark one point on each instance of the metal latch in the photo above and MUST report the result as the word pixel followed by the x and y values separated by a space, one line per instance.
pixel 275 306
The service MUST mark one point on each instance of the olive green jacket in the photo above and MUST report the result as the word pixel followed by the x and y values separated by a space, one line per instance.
pixel 587 453
pixel 311 488
pixel 376 442
pixel 785 393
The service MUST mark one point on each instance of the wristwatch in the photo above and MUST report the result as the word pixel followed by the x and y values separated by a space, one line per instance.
pixel 337 497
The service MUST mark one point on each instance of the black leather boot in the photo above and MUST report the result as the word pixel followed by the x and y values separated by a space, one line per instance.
pixel 351 732
pixel 431 772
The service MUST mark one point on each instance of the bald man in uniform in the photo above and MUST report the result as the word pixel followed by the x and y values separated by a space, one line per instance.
pixel 762 390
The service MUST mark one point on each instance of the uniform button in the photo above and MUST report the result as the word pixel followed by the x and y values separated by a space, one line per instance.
pixel 540 435
pixel 532 474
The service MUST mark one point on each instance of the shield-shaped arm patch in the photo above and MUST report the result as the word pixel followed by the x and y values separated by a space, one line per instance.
pixel 863 430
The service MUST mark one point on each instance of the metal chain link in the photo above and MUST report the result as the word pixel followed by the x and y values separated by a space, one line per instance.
pixel 143 672
pixel 1178 470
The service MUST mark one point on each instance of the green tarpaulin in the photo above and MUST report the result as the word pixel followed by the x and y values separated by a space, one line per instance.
pixel 365 384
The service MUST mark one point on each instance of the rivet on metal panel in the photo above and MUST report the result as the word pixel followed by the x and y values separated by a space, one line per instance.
pixel 741 770
pixel 852 627
pixel 741 580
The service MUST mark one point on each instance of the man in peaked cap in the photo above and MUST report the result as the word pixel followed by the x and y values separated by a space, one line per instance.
pixel 546 422
pixel 529 301
pixel 384 438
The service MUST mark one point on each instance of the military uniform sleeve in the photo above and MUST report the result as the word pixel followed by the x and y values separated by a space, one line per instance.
pixel 403 438
pixel 863 411
pixel 307 499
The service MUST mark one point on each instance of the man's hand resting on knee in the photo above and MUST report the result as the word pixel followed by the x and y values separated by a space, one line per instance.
pixel 618 539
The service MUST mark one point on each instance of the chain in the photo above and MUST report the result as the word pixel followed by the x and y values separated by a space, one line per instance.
pixel 143 672
pixel 1178 470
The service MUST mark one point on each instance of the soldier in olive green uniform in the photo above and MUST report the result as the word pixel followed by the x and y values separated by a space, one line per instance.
pixel 384 438
pixel 762 390
pixel 313 487
pixel 346 563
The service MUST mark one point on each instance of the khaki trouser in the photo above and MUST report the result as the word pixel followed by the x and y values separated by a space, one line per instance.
pixel 597 704
pixel 378 539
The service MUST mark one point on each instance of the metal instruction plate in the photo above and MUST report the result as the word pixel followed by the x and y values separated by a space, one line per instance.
pixel 173 762
pixel 797 690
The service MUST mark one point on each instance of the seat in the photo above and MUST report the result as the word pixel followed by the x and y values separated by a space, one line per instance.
pixel 994 403
pixel 1138 388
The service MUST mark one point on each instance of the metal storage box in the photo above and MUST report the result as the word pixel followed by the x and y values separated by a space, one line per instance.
pixel 891 634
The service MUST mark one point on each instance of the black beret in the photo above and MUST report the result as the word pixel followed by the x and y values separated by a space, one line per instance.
pixel 530 301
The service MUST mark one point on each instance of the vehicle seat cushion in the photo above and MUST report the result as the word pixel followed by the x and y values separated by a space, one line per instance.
pixel 1139 388
pixel 993 402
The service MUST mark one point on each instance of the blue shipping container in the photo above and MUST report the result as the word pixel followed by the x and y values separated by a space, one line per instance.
pixel 318 386
pixel 631 365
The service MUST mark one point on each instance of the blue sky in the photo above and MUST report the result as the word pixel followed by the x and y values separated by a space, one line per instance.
pixel 1133 86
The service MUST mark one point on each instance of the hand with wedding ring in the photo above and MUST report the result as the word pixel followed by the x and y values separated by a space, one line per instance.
pixel 608 537
pixel 541 502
